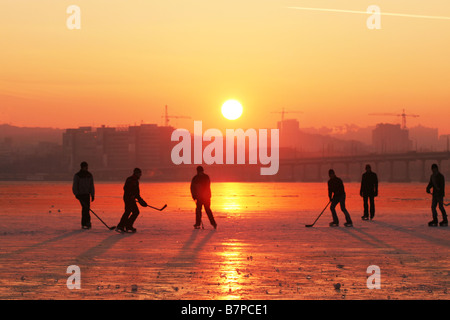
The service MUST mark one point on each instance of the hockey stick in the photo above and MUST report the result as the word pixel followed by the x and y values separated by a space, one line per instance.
pixel 159 209
pixel 203 227
pixel 311 225
pixel 165 206
pixel 445 204
pixel 110 228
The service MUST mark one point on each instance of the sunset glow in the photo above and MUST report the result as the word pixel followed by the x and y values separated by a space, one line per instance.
pixel 129 60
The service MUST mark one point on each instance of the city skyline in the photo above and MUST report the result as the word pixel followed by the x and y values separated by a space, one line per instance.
pixel 424 137
pixel 42 153
pixel 128 61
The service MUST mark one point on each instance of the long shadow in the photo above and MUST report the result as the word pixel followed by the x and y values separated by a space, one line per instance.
pixel 187 255
pixel 43 243
pixel 87 256
pixel 400 254
pixel 377 243
pixel 441 242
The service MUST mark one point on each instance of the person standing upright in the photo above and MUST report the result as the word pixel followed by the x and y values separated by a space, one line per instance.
pixel 201 193
pixel 336 194
pixel 368 191
pixel 437 183
pixel 84 191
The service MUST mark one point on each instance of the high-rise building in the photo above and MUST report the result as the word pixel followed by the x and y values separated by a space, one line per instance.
pixel 117 152
pixel 289 132
pixel 444 143
pixel 81 145
pixel 424 139
pixel 147 146
pixel 390 138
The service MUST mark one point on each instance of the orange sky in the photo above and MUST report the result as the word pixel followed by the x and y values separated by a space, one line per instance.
pixel 131 58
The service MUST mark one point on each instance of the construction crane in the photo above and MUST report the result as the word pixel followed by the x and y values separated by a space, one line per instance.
pixel 283 112
pixel 167 117
pixel 403 115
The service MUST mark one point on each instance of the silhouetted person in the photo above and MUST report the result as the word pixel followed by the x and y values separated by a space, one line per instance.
pixel 336 194
pixel 131 193
pixel 84 191
pixel 201 193
pixel 437 183
pixel 369 190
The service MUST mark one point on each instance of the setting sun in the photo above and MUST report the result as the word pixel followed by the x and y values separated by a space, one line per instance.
pixel 232 109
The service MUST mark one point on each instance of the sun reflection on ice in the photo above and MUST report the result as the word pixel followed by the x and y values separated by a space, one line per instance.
pixel 230 198
pixel 233 270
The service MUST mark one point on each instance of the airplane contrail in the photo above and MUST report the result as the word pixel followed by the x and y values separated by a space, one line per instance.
pixel 370 13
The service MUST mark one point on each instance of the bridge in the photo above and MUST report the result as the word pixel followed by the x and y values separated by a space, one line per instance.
pixel 300 168
pixel 393 167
